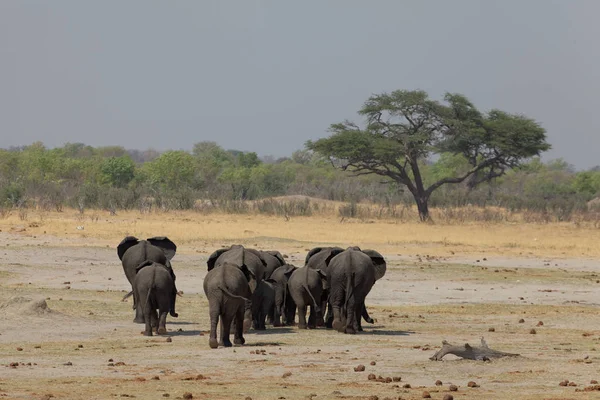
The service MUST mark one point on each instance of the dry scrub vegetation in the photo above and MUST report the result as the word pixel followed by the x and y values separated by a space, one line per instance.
pixel 528 288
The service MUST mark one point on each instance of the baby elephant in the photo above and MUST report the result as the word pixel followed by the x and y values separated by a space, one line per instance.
pixel 306 286
pixel 154 288
pixel 227 288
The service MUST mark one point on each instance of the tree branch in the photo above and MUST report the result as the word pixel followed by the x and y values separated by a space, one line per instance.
pixel 459 179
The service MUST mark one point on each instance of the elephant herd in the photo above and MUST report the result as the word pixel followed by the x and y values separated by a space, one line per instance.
pixel 251 288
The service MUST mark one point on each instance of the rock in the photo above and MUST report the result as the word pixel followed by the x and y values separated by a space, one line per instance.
pixel 359 368
pixel 532 331
pixel 371 377
pixel 472 384
pixel 286 374
pixel 168 340
pixel 448 397
pixel 438 383
pixel 491 329
pixel 188 395
pixel 540 323
pixel 521 321
pixel 373 363
pixel 426 395
pixel 564 383
pixel 453 388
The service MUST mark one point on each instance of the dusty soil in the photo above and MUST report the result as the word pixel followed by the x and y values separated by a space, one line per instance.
pixel 65 333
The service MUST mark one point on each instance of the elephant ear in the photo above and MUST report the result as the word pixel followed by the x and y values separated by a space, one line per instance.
pixel 378 263
pixel 277 255
pixel 126 244
pixel 247 273
pixel 163 242
pixel 321 274
pixel 333 252
pixel 355 248
pixel 143 264
pixel 259 254
pixel 288 269
pixel 212 259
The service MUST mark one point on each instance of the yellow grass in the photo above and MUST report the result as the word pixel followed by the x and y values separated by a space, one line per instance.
pixel 194 231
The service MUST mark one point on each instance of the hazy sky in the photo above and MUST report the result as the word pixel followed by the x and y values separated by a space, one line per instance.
pixel 266 76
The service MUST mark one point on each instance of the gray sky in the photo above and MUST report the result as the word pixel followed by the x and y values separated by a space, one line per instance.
pixel 266 76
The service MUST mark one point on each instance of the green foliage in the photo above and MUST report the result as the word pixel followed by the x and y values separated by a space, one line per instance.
pixel 117 171
pixel 172 170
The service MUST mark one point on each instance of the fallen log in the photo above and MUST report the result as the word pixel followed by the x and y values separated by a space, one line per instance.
pixel 469 352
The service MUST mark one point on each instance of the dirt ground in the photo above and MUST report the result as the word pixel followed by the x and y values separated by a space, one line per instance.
pixel 65 334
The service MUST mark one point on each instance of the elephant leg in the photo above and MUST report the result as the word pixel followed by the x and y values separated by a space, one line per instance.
pixel 357 317
pixel 277 316
pixel 162 322
pixel 226 320
pixel 314 316
pixel 238 335
pixel 302 316
pixel 337 323
pixel 350 313
pixel 139 311
pixel 154 317
pixel 247 320
pixel 271 315
pixel 214 311
pixel 147 312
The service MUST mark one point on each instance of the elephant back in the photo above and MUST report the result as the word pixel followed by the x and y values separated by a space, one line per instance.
pixel 320 257
pixel 273 260
pixel 141 252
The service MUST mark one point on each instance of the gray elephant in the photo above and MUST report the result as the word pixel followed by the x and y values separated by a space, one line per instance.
pixel 306 287
pixel 351 275
pixel 228 288
pixel 273 260
pixel 240 256
pixel 285 308
pixel 154 288
pixel 319 258
pixel 263 301
pixel 133 252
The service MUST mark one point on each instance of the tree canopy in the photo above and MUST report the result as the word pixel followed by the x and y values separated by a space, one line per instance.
pixel 404 129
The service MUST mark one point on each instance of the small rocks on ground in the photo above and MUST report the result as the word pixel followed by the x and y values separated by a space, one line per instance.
pixel 426 395
pixel 359 368
pixel 453 388
pixel 472 384
pixel 448 397
pixel 438 383
pixel 188 395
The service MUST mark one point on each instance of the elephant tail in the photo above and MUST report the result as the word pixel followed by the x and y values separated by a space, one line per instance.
pixel 128 295
pixel 349 288
pixel 229 294
pixel 315 303
pixel 150 288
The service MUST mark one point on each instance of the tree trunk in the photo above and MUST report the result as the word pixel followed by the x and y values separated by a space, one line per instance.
pixel 423 207
pixel 469 352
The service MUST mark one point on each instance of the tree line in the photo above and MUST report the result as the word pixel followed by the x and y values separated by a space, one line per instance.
pixel 113 178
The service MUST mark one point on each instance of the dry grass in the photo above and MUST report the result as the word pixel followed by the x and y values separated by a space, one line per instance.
pixel 196 231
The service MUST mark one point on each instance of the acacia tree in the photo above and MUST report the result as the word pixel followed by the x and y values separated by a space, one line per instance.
pixel 405 128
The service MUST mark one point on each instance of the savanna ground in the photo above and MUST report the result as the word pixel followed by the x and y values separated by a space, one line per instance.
pixel 444 281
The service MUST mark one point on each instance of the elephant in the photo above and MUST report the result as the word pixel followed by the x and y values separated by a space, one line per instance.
pixel 319 258
pixel 133 252
pixel 306 287
pixel 273 260
pixel 284 308
pixel 240 256
pixel 228 288
pixel 154 288
pixel 352 273
pixel 263 301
